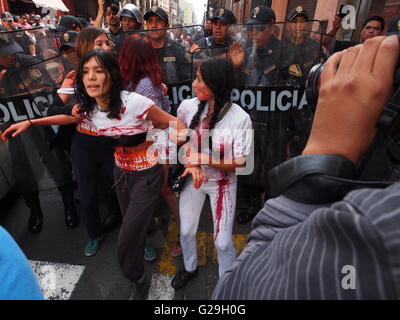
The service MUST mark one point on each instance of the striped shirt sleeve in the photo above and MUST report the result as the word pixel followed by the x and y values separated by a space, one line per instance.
pixel 350 250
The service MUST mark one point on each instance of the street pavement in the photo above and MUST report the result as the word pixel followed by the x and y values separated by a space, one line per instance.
pixel 65 273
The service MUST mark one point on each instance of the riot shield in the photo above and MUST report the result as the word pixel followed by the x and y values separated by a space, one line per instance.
pixel 39 81
pixel 28 90
pixel 304 49
pixel 40 42
pixel 173 47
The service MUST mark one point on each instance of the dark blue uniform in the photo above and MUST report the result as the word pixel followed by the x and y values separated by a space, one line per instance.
pixel 266 67
pixel 215 49
pixel 175 61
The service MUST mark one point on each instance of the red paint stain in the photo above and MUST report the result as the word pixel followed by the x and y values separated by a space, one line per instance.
pixel 143 115
pixel 223 186
pixel 222 151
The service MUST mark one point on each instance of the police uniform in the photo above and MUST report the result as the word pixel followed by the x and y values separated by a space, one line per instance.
pixel 35 167
pixel 212 49
pixel 303 56
pixel 19 78
pixel 264 67
pixel 175 62
pixel 22 39
pixel 215 49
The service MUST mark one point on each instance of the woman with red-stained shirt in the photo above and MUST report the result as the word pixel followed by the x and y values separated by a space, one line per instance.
pixel 89 151
pixel 126 118
pixel 219 144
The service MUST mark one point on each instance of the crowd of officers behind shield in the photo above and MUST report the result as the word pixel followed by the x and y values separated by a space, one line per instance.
pixel 263 54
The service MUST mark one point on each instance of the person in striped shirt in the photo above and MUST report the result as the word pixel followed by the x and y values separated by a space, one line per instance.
pixel 339 248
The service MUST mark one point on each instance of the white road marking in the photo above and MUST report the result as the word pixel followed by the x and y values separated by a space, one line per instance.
pixel 160 288
pixel 57 280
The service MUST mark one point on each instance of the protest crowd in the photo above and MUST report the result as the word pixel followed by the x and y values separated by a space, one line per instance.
pixel 113 117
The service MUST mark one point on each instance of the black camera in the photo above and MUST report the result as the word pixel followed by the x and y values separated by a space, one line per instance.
pixel 313 84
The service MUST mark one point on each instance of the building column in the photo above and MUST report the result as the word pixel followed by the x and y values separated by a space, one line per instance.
pixel 280 8
pixel 70 5
pixel 3 6
pixel 326 10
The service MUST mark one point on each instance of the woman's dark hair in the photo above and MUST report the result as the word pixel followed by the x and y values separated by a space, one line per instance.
pixel 138 59
pixel 107 61
pixel 217 74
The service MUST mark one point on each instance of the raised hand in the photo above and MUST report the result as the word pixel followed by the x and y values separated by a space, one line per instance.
pixel 236 54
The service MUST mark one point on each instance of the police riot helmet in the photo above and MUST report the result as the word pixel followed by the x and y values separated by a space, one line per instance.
pixel 131 11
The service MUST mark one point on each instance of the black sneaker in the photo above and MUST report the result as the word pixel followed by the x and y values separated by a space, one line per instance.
pixel 71 217
pixel 182 278
pixel 138 291
pixel 35 222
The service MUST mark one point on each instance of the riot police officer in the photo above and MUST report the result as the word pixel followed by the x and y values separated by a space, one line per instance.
pixel 34 166
pixel 265 61
pixel 262 64
pixel 220 41
pixel 131 19
pixel 174 60
pixel 304 53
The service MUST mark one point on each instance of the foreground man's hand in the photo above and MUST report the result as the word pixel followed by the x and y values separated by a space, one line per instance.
pixel 356 85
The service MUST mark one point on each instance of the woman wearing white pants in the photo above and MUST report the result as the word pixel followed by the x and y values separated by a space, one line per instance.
pixel 212 158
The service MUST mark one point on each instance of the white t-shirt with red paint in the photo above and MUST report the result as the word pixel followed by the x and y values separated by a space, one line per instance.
pixel 131 121
pixel 231 137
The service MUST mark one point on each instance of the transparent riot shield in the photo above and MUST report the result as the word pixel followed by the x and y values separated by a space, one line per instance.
pixel 305 49
pixel 28 89
pixel 173 47
pixel 40 82
pixel 263 59
pixel 39 42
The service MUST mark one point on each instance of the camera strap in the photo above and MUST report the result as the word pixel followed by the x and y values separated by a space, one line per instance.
pixel 317 179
